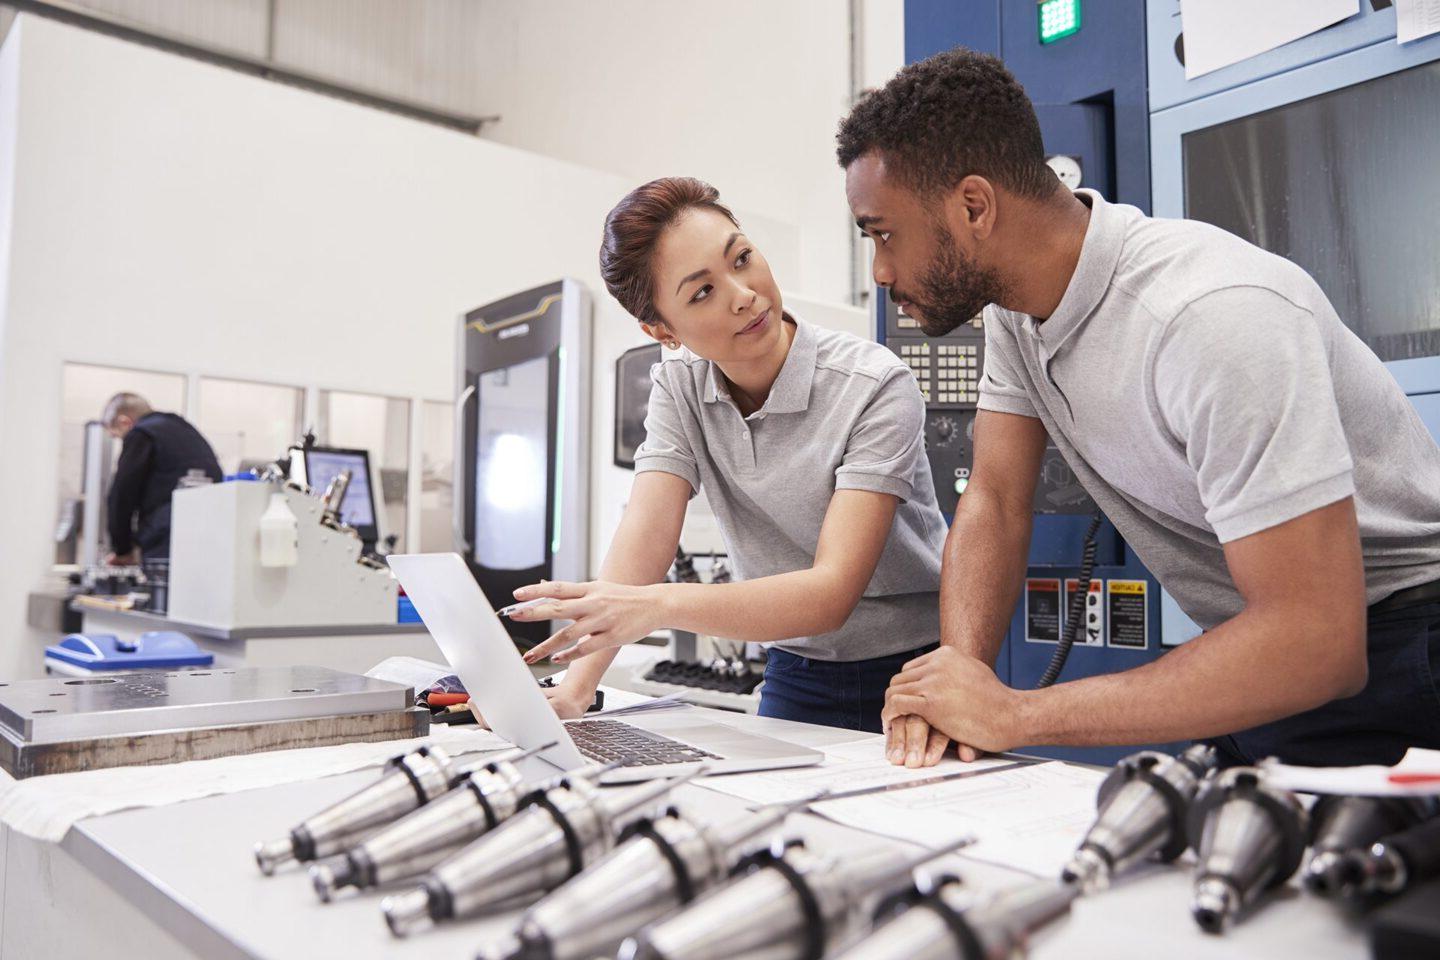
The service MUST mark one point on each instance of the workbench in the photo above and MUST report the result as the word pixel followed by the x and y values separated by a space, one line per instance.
pixel 180 882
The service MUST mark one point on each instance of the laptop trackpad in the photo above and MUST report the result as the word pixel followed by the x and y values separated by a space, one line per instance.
pixel 715 737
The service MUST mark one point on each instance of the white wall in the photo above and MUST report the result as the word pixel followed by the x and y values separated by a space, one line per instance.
pixel 745 94
pixel 170 215
pixel 9 130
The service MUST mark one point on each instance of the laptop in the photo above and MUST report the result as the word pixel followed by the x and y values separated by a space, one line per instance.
pixel 465 626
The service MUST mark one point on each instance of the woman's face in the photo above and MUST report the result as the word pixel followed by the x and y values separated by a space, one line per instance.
pixel 714 290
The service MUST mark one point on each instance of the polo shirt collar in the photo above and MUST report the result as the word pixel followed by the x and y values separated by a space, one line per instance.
pixel 1099 255
pixel 790 392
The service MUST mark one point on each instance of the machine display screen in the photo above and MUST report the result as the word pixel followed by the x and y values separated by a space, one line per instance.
pixel 358 507
pixel 1344 185
pixel 512 466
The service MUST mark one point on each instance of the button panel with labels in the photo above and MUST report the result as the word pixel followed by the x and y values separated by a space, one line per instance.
pixel 947 370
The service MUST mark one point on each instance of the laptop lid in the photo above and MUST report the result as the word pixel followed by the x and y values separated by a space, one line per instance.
pixel 474 641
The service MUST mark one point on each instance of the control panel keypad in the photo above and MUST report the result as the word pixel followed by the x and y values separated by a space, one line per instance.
pixel 946 372
pixel 918 357
pixel 957 373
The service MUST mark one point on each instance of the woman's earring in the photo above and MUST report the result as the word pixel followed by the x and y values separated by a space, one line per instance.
pixel 673 344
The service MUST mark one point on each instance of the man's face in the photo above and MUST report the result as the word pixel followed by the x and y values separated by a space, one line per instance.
pixel 925 266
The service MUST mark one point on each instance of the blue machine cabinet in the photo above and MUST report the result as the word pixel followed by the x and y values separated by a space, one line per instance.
pixel 1371 243
pixel 1114 95
pixel 1404 207
pixel 1090 96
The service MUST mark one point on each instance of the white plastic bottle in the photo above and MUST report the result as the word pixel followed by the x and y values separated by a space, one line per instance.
pixel 279 534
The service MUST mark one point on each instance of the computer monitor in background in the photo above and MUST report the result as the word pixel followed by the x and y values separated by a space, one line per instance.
pixel 323 464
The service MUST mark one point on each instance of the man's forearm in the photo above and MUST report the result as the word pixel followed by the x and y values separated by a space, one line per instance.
pixel 1253 669
pixel 985 557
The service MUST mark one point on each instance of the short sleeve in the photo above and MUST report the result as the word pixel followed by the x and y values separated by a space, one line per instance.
pixel 887 442
pixel 1242 379
pixel 1002 389
pixel 667 447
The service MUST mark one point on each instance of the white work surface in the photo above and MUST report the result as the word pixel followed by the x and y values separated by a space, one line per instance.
pixel 180 881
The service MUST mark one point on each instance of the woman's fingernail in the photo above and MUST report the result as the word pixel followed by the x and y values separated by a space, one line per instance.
pixel 912 759
pixel 894 755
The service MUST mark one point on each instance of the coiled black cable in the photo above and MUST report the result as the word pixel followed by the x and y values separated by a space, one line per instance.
pixel 1077 608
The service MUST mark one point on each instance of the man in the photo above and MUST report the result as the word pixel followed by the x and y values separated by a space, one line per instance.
pixel 157 450
pixel 1256 455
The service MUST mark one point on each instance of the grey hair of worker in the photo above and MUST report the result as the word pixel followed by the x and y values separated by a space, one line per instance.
pixel 131 405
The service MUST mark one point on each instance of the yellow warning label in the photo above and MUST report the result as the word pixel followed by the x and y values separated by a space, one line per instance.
pixel 1127 586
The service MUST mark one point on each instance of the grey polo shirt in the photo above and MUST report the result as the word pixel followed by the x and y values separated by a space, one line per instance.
pixel 1204 390
pixel 843 414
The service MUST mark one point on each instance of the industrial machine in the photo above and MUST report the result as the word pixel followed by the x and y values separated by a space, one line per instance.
pixel 1091 104
pixel 95 483
pixel 223 574
pixel 317 467
pixel 1252 148
pixel 632 398
pixel 523 442
pixel 1248 148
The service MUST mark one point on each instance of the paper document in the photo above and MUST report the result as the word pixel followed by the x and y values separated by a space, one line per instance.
pixel 1031 818
pixel 1221 32
pixel 1416 775
pixel 847 766
pixel 1415 19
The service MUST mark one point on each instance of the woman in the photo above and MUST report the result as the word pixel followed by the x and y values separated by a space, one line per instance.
pixel 809 445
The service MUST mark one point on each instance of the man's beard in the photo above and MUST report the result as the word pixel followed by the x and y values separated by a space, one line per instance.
pixel 953 288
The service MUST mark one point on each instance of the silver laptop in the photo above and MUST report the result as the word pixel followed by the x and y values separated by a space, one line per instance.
pixel 470 634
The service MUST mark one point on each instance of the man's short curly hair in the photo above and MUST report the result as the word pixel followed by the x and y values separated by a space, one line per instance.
pixel 949 116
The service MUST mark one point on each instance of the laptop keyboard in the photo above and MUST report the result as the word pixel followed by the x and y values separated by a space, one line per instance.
pixel 610 740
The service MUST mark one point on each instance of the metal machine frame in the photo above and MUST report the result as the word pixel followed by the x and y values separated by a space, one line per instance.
pixel 549 321
pixel 1092 106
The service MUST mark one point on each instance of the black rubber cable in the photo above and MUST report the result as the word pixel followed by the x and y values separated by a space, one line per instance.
pixel 1077 609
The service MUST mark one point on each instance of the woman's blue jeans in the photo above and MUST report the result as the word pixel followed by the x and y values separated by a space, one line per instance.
pixel 830 693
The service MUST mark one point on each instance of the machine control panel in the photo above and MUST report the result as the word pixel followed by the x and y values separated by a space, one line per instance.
pixel 947 369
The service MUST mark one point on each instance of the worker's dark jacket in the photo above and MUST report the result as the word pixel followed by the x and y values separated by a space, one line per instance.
pixel 159 450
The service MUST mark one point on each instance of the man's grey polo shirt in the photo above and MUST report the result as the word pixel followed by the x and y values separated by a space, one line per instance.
pixel 1204 390
pixel 843 414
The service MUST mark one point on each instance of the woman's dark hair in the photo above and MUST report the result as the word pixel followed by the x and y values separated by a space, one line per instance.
pixel 633 229
pixel 946 117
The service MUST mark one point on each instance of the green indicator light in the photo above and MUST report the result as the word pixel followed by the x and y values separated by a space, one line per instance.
pixel 1058 19
pixel 961 484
